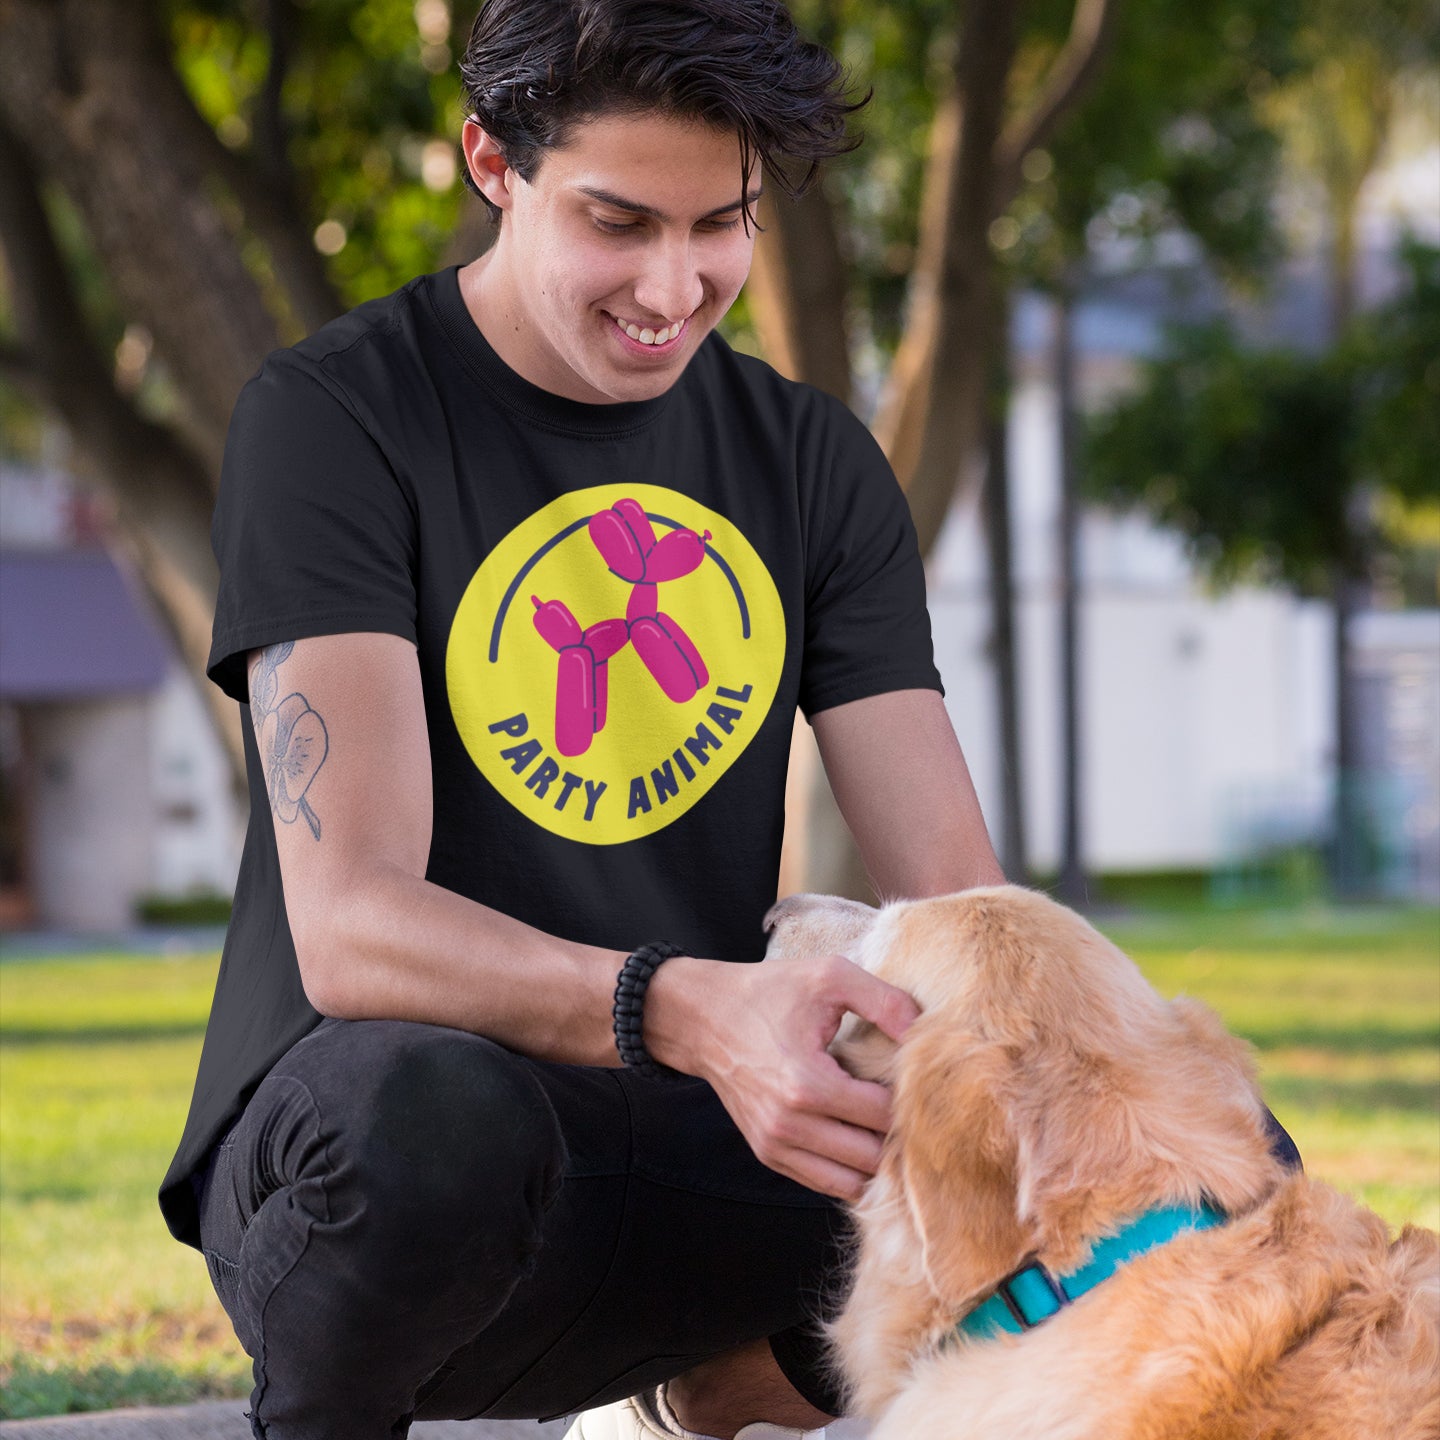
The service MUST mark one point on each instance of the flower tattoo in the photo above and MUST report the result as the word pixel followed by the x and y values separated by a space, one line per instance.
pixel 292 738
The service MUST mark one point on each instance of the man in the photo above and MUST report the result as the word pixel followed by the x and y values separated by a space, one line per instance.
pixel 523 575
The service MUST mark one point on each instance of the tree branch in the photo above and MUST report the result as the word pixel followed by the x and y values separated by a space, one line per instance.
pixel 87 87
pixel 268 130
pixel 154 476
pixel 56 340
pixel 1080 58
pixel 17 365
pixel 265 186
pixel 797 291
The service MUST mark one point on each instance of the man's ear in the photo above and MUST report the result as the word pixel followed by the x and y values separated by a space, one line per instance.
pixel 489 168
pixel 957 1156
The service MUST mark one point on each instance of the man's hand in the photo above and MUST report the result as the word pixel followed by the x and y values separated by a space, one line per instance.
pixel 758 1034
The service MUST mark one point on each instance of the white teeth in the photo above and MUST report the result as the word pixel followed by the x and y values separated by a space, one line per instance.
pixel 647 336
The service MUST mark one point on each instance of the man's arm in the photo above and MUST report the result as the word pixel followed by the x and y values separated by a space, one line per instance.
pixel 340 721
pixel 904 789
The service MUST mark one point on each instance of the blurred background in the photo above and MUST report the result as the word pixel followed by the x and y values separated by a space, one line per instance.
pixel 1141 298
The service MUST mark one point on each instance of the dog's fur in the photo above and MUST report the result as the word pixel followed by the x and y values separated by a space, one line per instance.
pixel 1046 1094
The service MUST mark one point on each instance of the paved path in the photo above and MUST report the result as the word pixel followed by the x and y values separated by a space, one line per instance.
pixel 225 1420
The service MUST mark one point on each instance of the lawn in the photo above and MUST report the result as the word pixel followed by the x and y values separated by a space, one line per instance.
pixel 1343 1008
pixel 99 1307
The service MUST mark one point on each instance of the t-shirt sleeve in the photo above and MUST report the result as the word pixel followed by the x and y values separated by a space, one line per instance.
pixel 314 531
pixel 867 630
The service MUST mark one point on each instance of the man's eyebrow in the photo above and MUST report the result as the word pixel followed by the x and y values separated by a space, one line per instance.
pixel 608 197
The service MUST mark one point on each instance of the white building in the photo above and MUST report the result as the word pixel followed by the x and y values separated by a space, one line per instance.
pixel 1206 720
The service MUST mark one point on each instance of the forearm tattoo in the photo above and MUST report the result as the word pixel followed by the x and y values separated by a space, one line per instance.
pixel 292 738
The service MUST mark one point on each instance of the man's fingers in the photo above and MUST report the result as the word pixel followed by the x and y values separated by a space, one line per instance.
pixel 818 1172
pixel 850 1146
pixel 882 1004
pixel 865 1103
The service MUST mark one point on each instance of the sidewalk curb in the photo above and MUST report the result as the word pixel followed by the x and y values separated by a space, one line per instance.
pixel 225 1420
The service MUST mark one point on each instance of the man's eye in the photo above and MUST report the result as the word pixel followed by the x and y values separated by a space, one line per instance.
pixel 632 227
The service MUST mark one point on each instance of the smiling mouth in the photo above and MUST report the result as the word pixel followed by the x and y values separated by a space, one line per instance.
pixel 647 335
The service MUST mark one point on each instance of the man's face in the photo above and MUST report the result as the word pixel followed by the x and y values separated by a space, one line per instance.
pixel 632 230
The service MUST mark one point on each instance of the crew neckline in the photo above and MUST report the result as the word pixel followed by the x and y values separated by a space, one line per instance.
pixel 532 401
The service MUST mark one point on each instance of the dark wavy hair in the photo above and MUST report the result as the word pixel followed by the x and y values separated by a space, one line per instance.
pixel 533 69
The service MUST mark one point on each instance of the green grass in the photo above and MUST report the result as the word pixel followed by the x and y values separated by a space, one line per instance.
pixel 1343 1007
pixel 99 1307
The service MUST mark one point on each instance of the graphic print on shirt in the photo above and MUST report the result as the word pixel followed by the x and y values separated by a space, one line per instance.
pixel 612 658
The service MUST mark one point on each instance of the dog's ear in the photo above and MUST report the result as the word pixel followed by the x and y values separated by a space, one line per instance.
pixel 1173 1119
pixel 955 1152
pixel 1227 1143
pixel 816 925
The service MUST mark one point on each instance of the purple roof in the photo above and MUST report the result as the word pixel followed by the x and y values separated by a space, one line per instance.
pixel 71 626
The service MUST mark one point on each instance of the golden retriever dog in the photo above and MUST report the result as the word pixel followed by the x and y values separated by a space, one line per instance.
pixel 1045 1098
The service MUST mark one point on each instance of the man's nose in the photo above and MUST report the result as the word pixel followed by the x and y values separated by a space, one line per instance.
pixel 669 285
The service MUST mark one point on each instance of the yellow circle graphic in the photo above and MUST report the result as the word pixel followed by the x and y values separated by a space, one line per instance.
pixel 611 659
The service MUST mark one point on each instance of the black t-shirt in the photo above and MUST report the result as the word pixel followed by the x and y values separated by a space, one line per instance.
pixel 616 608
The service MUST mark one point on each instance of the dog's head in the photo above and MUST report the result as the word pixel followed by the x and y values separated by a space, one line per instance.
pixel 1046 1090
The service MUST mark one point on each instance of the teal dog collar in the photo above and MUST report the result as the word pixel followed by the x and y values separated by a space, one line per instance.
pixel 1032 1294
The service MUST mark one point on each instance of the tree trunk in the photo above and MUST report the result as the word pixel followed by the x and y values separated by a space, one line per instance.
pixel 89 88
pixel 995 497
pixel 161 490
pixel 1073 885
pixel 1348 868
pixel 929 423
pixel 1352 155
pixel 92 101
pixel 799 292
pixel 931 417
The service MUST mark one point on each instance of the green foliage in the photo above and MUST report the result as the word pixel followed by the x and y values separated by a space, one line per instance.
pixel 1263 458
pixel 202 908
pixel 1169 139
pixel 35 1387
pixel 1246 453
pixel 1398 347
pixel 899 50
pixel 364 94
pixel 1170 136
pixel 22 436
pixel 1344 1012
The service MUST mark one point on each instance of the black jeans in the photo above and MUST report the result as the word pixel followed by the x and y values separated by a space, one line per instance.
pixel 409 1221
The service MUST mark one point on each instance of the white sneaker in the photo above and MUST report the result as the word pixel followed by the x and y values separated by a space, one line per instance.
pixel 764 1430
pixel 635 1418
pixel 627 1419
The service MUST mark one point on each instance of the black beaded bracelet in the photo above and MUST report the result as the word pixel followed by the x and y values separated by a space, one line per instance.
pixel 629 1009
